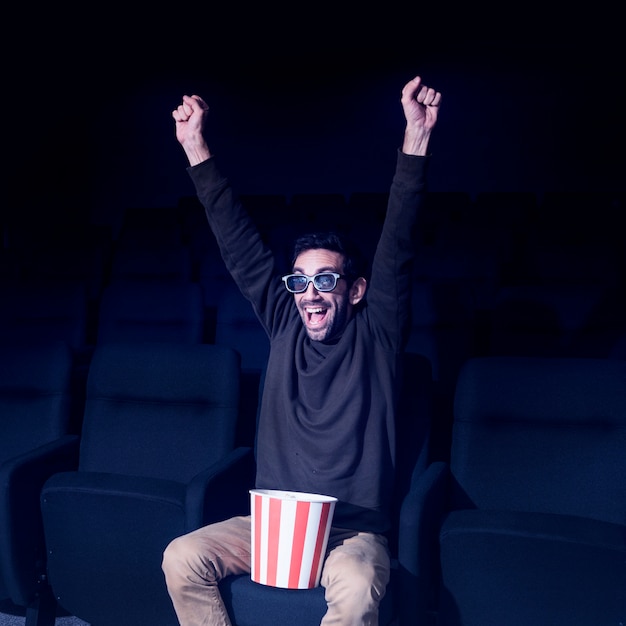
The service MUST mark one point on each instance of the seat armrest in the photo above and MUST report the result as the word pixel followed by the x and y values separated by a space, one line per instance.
pixel 418 539
pixel 35 466
pixel 223 488
pixel 421 514
pixel 22 479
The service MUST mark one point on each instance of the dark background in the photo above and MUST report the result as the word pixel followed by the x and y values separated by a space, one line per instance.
pixel 305 98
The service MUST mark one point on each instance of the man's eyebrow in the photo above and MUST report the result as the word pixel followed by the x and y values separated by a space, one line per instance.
pixel 321 270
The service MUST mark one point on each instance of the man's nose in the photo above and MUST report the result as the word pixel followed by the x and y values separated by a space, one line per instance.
pixel 314 291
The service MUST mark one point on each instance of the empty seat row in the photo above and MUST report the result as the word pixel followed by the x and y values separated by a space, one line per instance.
pixel 85 517
pixel 531 497
pixel 497 238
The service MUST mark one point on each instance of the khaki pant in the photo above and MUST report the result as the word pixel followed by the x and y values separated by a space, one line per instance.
pixel 355 573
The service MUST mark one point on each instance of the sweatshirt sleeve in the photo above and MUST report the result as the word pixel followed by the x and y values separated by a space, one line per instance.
pixel 249 261
pixel 389 294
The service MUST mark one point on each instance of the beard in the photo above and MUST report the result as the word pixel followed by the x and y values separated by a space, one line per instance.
pixel 326 322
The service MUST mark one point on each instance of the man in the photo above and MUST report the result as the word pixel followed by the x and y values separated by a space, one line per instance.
pixel 326 422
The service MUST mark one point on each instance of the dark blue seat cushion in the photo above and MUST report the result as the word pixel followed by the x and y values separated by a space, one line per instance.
pixel 250 604
pixel 519 568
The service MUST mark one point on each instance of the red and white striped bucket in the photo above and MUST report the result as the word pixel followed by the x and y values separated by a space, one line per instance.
pixel 289 537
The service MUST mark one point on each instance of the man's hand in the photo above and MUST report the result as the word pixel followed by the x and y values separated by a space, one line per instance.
pixel 190 118
pixel 421 106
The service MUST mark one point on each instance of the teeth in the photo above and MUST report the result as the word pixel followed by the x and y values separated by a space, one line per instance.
pixel 317 310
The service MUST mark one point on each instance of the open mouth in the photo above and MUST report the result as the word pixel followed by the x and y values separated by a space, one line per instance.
pixel 315 314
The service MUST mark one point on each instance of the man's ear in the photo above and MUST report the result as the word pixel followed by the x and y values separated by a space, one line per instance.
pixel 357 290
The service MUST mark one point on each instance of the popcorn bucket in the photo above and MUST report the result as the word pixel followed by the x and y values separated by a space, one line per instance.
pixel 289 537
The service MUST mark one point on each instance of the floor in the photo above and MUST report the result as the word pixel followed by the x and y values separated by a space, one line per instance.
pixel 11 615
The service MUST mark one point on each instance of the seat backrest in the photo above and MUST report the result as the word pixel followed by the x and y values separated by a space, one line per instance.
pixel 541 434
pixel 44 310
pixel 161 410
pixel 506 208
pixel 268 210
pixel 542 320
pixel 238 326
pixel 151 311
pixel 35 394
pixel 78 252
pixel 165 263
pixel 318 210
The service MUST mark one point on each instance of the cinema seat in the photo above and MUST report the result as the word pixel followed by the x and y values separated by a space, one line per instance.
pixel 36 442
pixel 157 460
pixel 526 524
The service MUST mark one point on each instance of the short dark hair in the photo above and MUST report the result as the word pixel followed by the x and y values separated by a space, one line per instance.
pixel 355 264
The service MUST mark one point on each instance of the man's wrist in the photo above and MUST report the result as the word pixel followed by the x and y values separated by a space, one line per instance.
pixel 196 152
pixel 416 141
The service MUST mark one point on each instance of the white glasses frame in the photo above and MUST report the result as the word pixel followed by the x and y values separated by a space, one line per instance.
pixel 311 279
